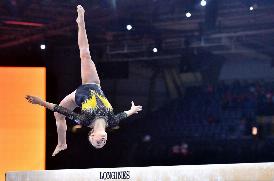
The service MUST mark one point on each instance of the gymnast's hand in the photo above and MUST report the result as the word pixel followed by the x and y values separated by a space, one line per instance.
pixel 59 148
pixel 34 99
pixel 134 109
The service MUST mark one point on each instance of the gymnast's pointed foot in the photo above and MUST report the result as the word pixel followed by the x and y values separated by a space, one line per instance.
pixel 59 148
pixel 81 13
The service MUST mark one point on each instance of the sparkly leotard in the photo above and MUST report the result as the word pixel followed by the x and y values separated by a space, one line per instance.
pixel 94 105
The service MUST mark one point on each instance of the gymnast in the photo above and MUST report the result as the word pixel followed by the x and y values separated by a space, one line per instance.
pixel 96 111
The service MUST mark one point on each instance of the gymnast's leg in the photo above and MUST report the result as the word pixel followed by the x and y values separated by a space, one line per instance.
pixel 88 70
pixel 69 103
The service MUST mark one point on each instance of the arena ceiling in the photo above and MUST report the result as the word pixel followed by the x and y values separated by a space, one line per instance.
pixel 226 27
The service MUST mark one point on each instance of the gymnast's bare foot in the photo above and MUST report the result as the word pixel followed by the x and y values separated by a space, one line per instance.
pixel 80 18
pixel 59 148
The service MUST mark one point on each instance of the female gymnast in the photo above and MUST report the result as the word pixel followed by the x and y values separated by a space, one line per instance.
pixel 97 112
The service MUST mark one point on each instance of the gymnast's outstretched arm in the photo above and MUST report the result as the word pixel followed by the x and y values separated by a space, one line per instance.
pixel 60 114
pixel 41 102
pixel 123 115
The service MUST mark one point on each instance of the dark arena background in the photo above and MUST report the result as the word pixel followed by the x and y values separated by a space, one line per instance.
pixel 202 70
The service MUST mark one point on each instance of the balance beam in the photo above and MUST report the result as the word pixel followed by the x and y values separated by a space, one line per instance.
pixel 222 172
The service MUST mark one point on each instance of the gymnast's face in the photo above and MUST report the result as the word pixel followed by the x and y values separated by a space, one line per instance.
pixel 98 139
